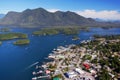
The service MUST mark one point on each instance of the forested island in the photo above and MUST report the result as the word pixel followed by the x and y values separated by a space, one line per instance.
pixel 46 31
pixel 22 42
pixel 9 36
pixel 62 30
pixel 74 31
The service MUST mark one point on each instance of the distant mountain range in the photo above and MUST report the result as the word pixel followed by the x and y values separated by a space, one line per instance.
pixel 2 15
pixel 41 17
pixel 102 20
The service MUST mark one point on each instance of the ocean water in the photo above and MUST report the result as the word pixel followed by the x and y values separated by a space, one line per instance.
pixel 16 61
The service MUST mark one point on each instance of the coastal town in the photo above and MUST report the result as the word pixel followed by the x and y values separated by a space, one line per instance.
pixel 59 39
pixel 97 59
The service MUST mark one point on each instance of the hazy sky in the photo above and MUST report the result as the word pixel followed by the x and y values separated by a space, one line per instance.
pixel 104 9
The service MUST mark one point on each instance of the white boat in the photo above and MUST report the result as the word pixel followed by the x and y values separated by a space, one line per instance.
pixel 35 78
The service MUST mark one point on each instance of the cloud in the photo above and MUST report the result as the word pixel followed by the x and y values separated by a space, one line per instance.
pixel 52 10
pixel 88 13
pixel 104 14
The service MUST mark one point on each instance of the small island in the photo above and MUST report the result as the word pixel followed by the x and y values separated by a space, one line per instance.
pixel 22 42
pixel 4 29
pixel 75 38
pixel 9 36
pixel 0 42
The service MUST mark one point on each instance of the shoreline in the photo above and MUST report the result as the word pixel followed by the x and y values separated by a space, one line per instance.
pixel 76 61
pixel 52 57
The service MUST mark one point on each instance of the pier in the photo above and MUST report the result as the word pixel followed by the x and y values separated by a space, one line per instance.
pixel 39 77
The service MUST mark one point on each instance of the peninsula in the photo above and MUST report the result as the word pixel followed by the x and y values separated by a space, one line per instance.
pixel 90 60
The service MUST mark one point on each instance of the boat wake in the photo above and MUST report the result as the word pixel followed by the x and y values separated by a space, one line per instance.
pixel 32 65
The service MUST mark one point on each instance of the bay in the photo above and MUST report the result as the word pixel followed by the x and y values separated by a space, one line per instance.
pixel 15 60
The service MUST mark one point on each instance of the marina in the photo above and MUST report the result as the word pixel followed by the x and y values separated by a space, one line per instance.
pixel 75 62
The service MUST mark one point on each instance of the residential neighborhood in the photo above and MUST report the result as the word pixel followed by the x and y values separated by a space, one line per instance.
pixel 83 62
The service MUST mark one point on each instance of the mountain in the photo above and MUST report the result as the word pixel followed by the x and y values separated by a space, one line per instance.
pixel 41 17
pixel 2 15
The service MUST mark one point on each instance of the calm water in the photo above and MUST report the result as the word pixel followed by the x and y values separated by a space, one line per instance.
pixel 15 60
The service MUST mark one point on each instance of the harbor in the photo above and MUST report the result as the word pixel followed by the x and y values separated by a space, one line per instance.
pixel 23 56
pixel 59 66
pixel 77 62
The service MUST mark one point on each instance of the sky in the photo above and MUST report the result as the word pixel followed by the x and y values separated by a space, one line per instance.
pixel 103 9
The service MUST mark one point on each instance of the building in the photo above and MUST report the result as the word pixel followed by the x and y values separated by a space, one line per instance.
pixel 47 72
pixel 87 66
pixel 60 56
pixel 70 74
pixel 79 71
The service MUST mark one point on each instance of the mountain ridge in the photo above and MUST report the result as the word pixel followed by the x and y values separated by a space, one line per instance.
pixel 40 17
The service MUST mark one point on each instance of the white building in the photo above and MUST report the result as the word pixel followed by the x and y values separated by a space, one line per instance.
pixel 79 71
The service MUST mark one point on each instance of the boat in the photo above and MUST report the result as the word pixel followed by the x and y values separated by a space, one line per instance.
pixel 34 78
